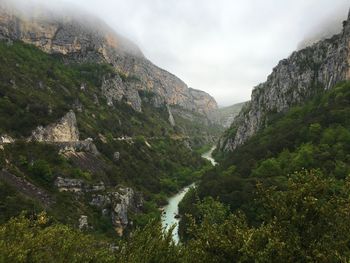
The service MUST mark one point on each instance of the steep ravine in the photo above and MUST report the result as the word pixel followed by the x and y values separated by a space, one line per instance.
pixel 171 210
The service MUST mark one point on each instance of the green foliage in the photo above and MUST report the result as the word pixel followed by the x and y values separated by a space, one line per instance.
pixel 199 131
pixel 37 240
pixel 42 170
pixel 305 222
pixel 150 244
pixel 13 203
pixel 313 136
pixel 38 89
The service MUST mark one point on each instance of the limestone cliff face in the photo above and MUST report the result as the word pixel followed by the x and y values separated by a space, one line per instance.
pixel 115 202
pixel 87 39
pixel 65 130
pixel 205 104
pixel 118 204
pixel 293 80
pixel 228 114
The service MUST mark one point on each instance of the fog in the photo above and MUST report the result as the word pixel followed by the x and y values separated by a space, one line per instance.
pixel 224 47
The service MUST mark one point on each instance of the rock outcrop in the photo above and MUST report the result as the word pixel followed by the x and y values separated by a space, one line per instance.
pixel 86 39
pixel 228 114
pixel 86 146
pixel 171 117
pixel 120 202
pixel 293 81
pixel 83 222
pixel 205 104
pixel 5 139
pixel 116 156
pixel 77 185
pixel 65 130
pixel 115 202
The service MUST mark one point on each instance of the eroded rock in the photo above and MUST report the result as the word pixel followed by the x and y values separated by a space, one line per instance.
pixel 80 146
pixel 5 139
pixel 293 81
pixel 83 222
pixel 90 40
pixel 65 130
pixel 70 185
pixel 116 156
pixel 77 185
pixel 120 202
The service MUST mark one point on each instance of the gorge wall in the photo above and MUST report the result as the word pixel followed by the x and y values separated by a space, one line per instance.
pixel 86 39
pixel 294 80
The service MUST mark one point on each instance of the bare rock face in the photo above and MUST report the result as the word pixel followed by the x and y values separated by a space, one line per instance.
pixel 86 146
pixel 65 130
pixel 171 117
pixel 83 222
pixel 5 139
pixel 115 202
pixel 70 185
pixel 116 156
pixel 90 40
pixel 121 201
pixel 205 104
pixel 77 185
pixel 228 114
pixel 293 81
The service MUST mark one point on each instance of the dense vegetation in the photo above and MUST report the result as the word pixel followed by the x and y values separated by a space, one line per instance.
pixel 305 222
pixel 281 197
pixel 313 136
pixel 200 131
pixel 38 89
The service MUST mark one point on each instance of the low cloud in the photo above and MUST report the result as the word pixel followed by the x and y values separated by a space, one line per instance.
pixel 224 47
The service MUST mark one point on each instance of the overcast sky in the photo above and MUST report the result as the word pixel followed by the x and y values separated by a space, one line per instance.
pixel 224 47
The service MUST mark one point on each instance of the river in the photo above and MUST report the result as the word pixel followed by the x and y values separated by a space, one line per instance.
pixel 172 208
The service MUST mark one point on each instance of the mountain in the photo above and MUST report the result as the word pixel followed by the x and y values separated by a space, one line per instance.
pixel 293 81
pixel 285 151
pixel 227 114
pixel 90 130
pixel 87 158
pixel 81 38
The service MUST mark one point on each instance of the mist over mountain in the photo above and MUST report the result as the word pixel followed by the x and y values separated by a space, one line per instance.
pixel 327 28
pixel 107 157
pixel 71 14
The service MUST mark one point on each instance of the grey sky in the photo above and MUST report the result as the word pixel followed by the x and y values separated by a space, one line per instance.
pixel 224 47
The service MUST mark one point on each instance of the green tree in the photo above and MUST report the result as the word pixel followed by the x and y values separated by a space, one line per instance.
pixel 306 222
pixel 36 240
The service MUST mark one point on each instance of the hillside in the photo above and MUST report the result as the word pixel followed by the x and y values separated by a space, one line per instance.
pixel 312 136
pixel 86 121
pixel 62 144
pixel 293 81
pixel 95 140
pixel 286 177
pixel 227 114
pixel 83 38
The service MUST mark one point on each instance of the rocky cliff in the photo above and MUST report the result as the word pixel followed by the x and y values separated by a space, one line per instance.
pixel 228 114
pixel 65 130
pixel 115 203
pixel 86 39
pixel 293 81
